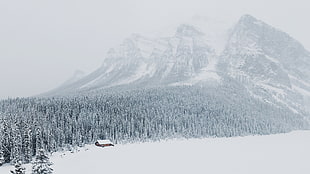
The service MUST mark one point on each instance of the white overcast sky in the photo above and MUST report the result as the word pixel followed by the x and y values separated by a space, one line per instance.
pixel 42 42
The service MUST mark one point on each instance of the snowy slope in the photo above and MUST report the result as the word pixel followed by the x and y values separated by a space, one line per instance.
pixel 182 57
pixel 269 63
pixel 282 153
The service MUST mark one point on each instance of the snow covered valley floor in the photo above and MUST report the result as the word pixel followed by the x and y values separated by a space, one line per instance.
pixel 272 154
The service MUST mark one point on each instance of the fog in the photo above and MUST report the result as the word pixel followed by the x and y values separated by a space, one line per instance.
pixel 42 43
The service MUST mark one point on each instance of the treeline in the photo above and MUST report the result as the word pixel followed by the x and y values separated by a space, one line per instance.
pixel 52 124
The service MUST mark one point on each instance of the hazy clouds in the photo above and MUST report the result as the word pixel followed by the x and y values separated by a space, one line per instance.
pixel 43 42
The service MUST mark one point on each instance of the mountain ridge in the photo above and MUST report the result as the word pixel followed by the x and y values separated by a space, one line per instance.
pixel 270 64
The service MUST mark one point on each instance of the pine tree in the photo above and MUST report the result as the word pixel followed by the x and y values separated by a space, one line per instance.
pixel 27 146
pixel 16 146
pixel 42 165
pixel 19 169
pixel 2 160
pixel 38 138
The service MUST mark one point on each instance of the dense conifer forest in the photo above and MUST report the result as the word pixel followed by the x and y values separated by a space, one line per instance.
pixel 66 122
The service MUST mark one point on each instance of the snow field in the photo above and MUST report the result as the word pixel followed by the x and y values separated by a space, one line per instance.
pixel 272 154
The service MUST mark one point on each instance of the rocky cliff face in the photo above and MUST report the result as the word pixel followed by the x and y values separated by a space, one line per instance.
pixel 268 62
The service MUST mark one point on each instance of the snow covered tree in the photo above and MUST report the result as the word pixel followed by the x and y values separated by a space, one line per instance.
pixel 19 169
pixel 16 146
pixel 27 146
pixel 62 123
pixel 42 165
pixel 38 138
pixel 6 139
pixel 2 161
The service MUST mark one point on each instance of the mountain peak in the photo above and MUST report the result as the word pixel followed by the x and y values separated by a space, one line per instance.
pixel 248 20
pixel 247 17
pixel 187 30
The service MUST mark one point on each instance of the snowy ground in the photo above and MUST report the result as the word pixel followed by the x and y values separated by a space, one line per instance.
pixel 274 154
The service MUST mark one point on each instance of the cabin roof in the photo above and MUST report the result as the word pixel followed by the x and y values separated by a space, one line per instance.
pixel 104 142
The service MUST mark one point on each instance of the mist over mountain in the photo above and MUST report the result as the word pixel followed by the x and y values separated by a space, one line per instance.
pixel 272 66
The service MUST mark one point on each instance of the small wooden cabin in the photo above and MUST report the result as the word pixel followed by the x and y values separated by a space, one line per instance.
pixel 103 143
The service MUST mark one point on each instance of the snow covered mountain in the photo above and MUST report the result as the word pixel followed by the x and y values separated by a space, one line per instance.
pixel 150 62
pixel 273 66
pixel 268 63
